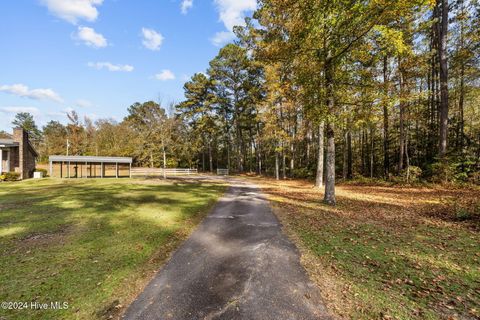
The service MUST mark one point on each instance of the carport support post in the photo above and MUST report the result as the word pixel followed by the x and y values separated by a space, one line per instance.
pixel 86 170
pixel 130 170
pixel 68 169
pixel 116 169
pixel 8 161
pixel 101 169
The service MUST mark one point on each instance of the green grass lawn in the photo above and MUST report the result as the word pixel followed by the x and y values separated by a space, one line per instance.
pixel 387 252
pixel 91 243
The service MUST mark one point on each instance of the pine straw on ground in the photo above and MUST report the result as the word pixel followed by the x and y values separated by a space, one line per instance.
pixel 387 252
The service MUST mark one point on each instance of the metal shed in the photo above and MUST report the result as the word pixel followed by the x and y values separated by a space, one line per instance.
pixel 90 167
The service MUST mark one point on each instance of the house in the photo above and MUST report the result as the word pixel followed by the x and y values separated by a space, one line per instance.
pixel 17 154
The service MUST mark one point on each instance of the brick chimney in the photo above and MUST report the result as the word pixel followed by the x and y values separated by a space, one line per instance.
pixel 21 136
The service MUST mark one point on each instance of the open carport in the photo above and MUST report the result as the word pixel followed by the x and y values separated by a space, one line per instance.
pixel 90 167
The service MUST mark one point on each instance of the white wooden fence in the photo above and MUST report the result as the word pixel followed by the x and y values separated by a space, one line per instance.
pixel 158 172
pixel 222 172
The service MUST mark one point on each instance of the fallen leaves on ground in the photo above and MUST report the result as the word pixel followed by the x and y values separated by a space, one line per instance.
pixel 386 252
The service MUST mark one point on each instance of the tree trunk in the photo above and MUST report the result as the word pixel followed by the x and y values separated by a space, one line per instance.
pixel 164 162
pixel 259 153
pixel 292 159
pixel 372 152
pixel 210 158
pixel 329 197
pixel 284 163
pixel 259 163
pixel 386 159
pixel 442 56
pixel 349 155
pixel 319 176
pixel 461 138
pixel 363 151
pixel 461 109
pixel 252 162
pixel 307 154
pixel 330 168
pixel 228 154
pixel 402 122
pixel 277 166
pixel 345 155
pixel 407 156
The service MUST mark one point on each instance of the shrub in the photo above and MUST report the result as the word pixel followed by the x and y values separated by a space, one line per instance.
pixel 10 176
pixel 464 170
pixel 302 173
pixel 411 174
pixel 442 172
pixel 359 180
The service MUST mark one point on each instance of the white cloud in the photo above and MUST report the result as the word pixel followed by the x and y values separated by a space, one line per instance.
pixel 22 90
pixel 165 75
pixel 111 67
pixel 222 37
pixel 232 13
pixel 83 103
pixel 7 114
pixel 186 5
pixel 73 10
pixel 152 39
pixel 31 110
pixel 91 38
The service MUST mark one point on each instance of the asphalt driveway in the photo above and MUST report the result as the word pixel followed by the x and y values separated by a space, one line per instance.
pixel 236 265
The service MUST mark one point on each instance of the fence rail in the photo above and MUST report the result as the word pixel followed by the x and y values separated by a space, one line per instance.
pixel 158 172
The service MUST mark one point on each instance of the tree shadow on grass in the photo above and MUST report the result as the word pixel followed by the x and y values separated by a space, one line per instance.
pixel 26 204
pixel 114 236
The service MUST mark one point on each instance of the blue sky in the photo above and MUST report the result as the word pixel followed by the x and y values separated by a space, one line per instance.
pixel 100 56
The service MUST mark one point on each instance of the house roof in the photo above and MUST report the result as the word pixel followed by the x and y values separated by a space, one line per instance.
pixel 8 143
pixel 90 159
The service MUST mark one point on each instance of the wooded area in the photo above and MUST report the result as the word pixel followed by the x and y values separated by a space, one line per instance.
pixel 326 89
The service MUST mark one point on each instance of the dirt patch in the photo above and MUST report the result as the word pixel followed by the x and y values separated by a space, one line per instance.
pixel 45 239
pixel 13 205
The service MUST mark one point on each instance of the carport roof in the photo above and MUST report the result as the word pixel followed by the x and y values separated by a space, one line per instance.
pixel 90 159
